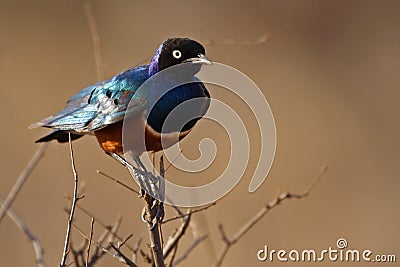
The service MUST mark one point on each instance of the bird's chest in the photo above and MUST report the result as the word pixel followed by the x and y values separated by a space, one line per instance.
pixel 135 135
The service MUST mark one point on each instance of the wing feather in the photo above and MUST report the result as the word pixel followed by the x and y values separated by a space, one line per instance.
pixel 101 104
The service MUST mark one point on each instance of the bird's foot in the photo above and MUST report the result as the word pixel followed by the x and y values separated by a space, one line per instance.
pixel 152 190
pixel 157 215
pixel 160 212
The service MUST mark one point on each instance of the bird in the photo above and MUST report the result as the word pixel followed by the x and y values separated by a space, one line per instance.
pixel 101 109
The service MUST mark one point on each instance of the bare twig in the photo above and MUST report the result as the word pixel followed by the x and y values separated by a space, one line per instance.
pixel 230 241
pixel 173 161
pixel 126 259
pixel 183 215
pixel 189 250
pixel 95 39
pixel 90 242
pixel 24 228
pixel 171 260
pixel 120 244
pixel 136 249
pixel 114 230
pixel 175 238
pixel 117 181
pixel 76 254
pixel 122 258
pixel 22 178
pixel 112 233
pixel 73 204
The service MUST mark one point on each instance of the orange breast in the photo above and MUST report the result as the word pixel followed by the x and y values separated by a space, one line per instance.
pixel 110 138
pixel 138 137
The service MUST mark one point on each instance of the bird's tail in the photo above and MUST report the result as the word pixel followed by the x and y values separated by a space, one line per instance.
pixel 60 136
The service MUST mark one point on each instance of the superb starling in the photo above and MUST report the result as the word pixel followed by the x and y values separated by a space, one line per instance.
pixel 100 109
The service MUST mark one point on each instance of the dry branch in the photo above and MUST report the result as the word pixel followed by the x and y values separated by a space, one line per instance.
pixel 192 212
pixel 230 241
pixel 73 205
pixel 90 242
pixel 126 259
pixel 172 258
pixel 136 250
pixel 95 39
pixel 189 250
pixel 119 255
pixel 154 232
pixel 22 178
pixel 117 181
pixel 24 228
pixel 111 232
pixel 175 238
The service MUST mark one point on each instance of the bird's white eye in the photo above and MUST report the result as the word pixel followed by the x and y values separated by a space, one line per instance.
pixel 177 54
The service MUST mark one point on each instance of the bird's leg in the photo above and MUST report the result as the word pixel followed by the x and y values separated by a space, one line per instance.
pixel 154 180
pixel 157 185
pixel 147 181
pixel 140 174
pixel 140 164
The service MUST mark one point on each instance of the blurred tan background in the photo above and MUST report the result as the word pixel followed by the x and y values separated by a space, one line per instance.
pixel 330 73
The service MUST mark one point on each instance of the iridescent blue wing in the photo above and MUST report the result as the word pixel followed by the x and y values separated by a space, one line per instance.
pixel 115 98
pixel 99 105
pixel 76 113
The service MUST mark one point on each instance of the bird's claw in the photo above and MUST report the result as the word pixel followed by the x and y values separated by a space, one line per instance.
pixel 159 216
pixel 160 212
pixel 155 202
pixel 143 215
pixel 142 193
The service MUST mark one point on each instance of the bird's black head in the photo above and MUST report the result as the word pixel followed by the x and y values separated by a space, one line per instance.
pixel 180 50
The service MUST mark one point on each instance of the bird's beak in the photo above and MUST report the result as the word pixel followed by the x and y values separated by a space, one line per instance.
pixel 200 59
